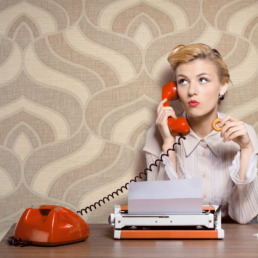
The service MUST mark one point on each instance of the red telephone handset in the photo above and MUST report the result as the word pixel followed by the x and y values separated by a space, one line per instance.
pixel 177 125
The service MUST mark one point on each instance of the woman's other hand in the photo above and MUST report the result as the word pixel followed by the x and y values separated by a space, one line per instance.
pixel 163 113
pixel 235 130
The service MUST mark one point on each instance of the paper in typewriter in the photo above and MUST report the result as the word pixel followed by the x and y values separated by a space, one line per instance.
pixel 182 196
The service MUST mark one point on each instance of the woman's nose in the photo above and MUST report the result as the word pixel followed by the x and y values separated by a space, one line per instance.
pixel 193 88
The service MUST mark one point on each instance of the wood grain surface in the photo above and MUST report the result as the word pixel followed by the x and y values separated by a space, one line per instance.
pixel 239 242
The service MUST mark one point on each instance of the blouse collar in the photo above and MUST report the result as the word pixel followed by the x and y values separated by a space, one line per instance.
pixel 213 139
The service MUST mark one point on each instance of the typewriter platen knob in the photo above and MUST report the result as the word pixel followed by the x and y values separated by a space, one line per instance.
pixel 111 219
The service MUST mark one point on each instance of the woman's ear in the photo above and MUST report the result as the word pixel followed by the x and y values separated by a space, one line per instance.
pixel 223 88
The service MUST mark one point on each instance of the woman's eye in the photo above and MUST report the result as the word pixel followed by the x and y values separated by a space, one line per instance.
pixel 203 80
pixel 182 81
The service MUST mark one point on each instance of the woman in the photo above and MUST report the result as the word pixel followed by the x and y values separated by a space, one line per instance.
pixel 227 160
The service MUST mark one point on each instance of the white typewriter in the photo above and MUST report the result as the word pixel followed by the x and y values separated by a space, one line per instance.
pixel 166 210
pixel 179 226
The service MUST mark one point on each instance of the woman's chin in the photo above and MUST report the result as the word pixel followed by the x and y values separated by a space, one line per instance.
pixel 194 112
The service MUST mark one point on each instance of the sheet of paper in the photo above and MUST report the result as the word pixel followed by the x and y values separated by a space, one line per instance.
pixel 182 196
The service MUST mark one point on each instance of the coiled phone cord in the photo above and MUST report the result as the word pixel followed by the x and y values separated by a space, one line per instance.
pixel 133 180
pixel 17 242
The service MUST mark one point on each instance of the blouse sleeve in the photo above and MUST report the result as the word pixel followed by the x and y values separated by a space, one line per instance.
pixel 250 172
pixel 243 203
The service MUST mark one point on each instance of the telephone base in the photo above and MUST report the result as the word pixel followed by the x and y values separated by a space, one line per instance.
pixel 51 225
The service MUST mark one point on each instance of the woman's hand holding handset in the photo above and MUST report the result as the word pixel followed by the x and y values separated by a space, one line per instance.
pixel 163 113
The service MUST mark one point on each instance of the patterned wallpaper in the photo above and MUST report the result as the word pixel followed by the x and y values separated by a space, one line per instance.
pixel 80 82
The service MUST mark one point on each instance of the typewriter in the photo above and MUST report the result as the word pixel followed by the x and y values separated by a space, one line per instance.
pixel 206 225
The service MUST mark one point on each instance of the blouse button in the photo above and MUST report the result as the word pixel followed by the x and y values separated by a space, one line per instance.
pixel 204 144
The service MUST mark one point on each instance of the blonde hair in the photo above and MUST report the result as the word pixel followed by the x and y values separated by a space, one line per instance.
pixel 184 54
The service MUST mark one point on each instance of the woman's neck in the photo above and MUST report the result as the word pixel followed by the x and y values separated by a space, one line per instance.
pixel 202 125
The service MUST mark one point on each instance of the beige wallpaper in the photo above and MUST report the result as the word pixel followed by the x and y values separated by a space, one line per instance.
pixel 80 82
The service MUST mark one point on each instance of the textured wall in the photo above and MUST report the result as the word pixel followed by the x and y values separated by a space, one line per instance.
pixel 80 82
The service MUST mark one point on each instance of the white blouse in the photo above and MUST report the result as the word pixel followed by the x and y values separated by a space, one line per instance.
pixel 218 163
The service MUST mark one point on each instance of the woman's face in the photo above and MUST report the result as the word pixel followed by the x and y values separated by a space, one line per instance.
pixel 198 80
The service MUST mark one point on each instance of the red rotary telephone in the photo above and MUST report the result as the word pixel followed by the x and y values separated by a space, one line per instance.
pixel 49 225
pixel 177 125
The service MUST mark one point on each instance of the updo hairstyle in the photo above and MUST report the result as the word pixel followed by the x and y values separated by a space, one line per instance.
pixel 184 54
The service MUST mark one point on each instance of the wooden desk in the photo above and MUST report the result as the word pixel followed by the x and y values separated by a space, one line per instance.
pixel 238 242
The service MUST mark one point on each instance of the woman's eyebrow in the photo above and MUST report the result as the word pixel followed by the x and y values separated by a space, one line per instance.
pixel 197 75
pixel 203 74
pixel 181 75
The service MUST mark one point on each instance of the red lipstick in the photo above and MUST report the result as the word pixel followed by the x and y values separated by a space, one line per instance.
pixel 193 103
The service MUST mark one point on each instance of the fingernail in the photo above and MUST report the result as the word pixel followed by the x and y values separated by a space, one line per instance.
pixel 219 124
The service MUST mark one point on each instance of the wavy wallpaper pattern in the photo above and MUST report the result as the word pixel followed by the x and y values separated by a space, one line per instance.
pixel 80 82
